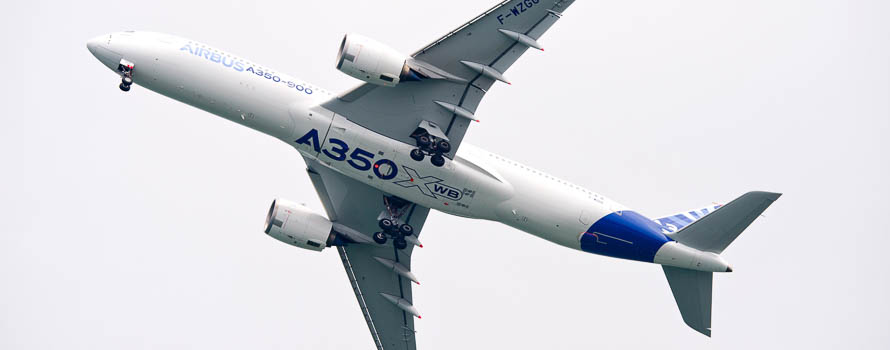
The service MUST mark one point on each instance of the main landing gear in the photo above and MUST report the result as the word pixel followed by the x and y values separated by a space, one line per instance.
pixel 391 225
pixel 125 68
pixel 431 141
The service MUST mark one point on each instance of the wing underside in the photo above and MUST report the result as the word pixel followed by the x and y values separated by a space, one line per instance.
pixel 371 268
pixel 478 53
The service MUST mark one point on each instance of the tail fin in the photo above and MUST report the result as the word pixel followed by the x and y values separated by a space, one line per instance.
pixel 711 233
pixel 714 232
pixel 692 290
pixel 673 223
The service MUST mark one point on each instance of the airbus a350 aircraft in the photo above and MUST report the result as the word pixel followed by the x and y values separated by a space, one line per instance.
pixel 386 152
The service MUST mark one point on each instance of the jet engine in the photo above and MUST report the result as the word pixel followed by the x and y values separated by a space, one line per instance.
pixel 368 60
pixel 299 226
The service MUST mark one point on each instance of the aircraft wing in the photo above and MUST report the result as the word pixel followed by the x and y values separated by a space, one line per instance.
pixel 383 294
pixel 470 58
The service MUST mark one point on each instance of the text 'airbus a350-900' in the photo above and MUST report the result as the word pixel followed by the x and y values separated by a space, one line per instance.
pixel 381 155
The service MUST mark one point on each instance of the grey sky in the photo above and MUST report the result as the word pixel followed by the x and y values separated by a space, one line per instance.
pixel 134 221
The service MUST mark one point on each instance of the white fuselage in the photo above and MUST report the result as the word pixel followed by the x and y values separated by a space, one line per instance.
pixel 490 187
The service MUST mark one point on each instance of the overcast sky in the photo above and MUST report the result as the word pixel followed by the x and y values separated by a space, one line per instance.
pixel 134 221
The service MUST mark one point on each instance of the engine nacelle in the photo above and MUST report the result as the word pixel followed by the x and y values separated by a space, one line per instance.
pixel 368 60
pixel 299 226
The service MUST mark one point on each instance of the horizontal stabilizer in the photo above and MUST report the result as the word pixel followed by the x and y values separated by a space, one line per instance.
pixel 692 291
pixel 714 232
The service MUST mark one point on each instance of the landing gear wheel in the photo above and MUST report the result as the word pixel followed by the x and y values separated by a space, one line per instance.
pixel 379 237
pixel 438 160
pixel 443 146
pixel 127 80
pixel 386 224
pixel 423 141
pixel 400 243
pixel 417 154
pixel 406 230
pixel 124 87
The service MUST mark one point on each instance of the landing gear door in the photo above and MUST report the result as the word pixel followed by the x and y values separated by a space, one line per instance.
pixel 125 68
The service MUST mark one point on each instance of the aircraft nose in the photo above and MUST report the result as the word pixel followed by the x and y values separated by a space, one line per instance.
pixel 100 48
pixel 94 44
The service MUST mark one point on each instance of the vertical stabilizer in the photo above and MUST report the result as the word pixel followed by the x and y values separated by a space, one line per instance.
pixel 692 290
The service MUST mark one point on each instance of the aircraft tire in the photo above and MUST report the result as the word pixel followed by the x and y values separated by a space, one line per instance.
pixel 406 230
pixel 443 146
pixel 423 141
pixel 386 224
pixel 438 160
pixel 417 154
pixel 379 237
pixel 400 243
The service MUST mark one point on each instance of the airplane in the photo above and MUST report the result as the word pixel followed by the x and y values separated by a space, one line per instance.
pixel 386 152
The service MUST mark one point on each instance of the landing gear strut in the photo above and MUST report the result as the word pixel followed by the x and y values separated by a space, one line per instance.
pixel 390 222
pixel 125 68
pixel 431 141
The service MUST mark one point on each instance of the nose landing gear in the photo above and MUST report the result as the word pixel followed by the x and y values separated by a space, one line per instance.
pixel 431 141
pixel 125 68
pixel 391 225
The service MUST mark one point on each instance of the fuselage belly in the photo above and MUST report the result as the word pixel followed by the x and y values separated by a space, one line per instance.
pixel 475 184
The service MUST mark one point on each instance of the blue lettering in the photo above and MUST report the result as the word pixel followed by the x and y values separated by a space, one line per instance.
pixel 240 66
pixel 501 19
pixel 448 191
pixel 439 189
pixel 393 170
pixel 384 169
pixel 514 11
pixel 361 159
pixel 311 138
pixel 339 152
